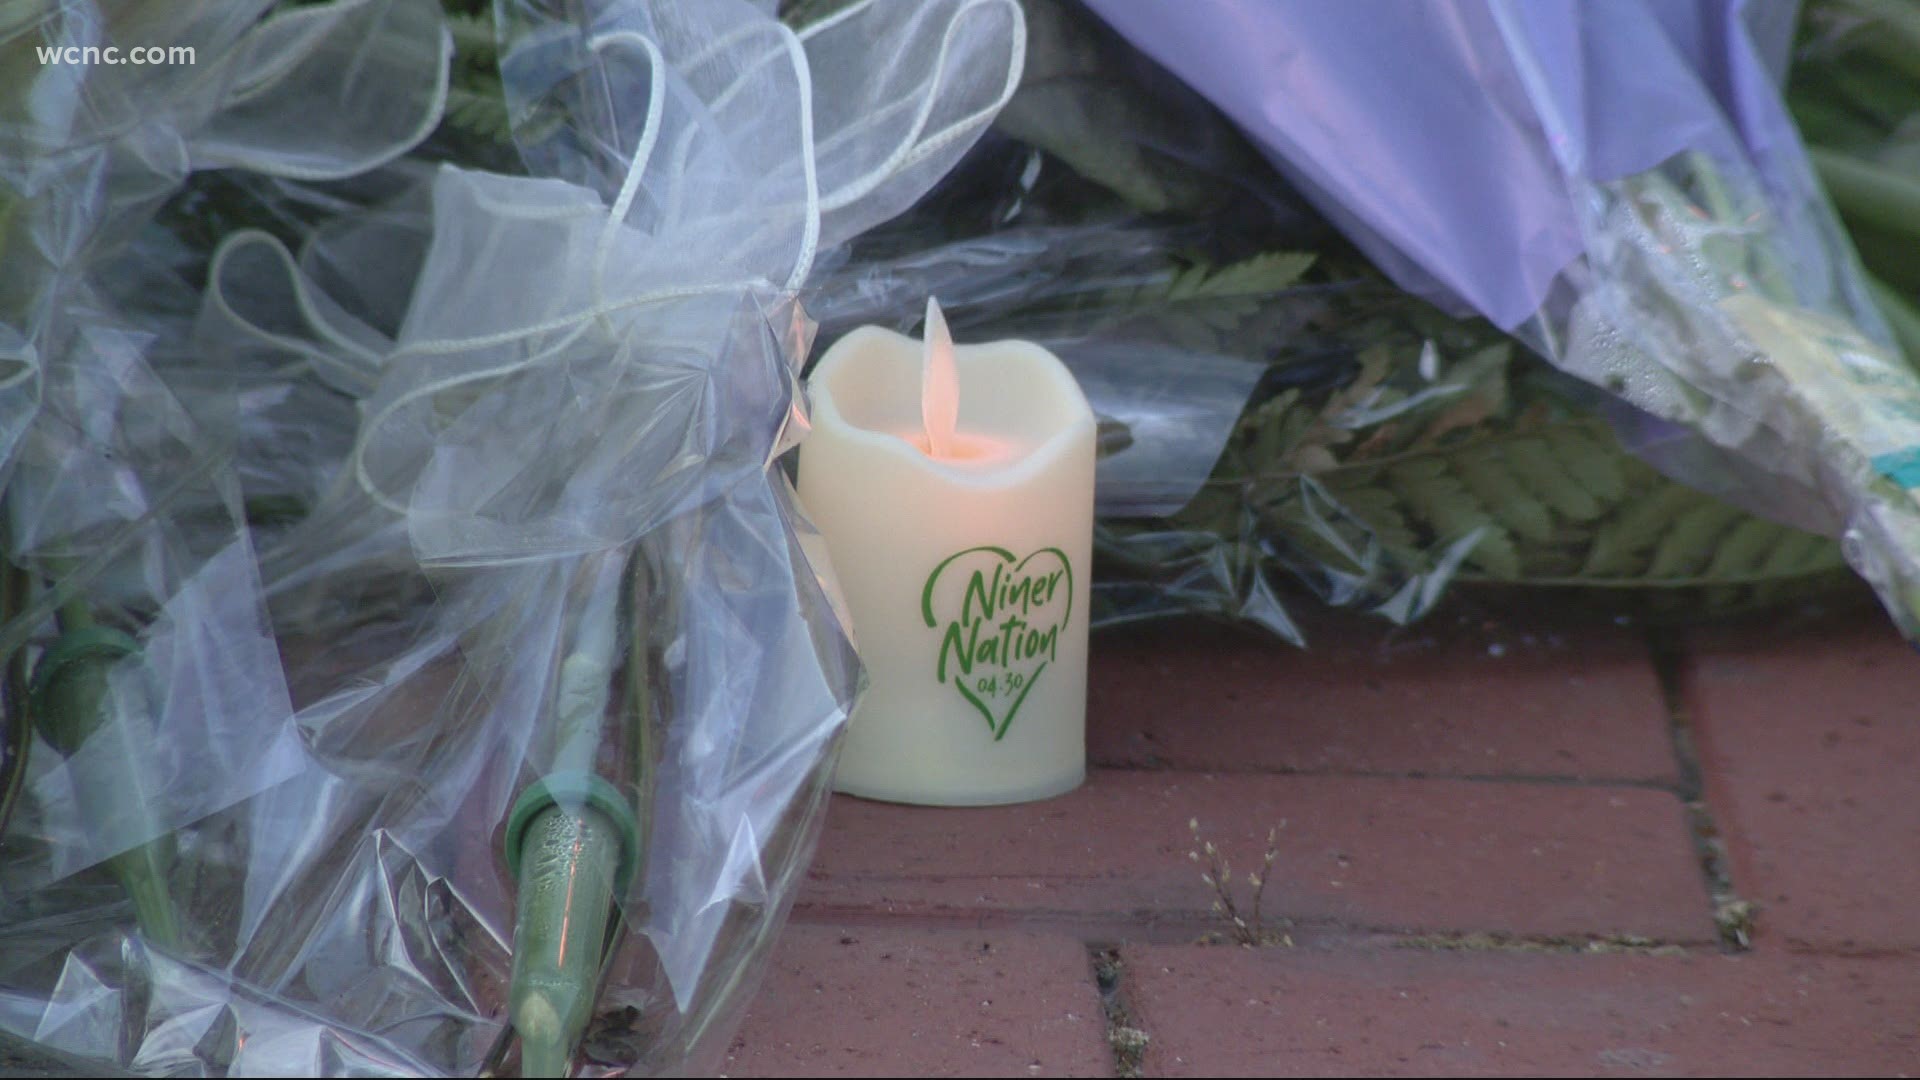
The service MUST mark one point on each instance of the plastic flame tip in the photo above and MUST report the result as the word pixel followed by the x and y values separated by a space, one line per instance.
pixel 939 385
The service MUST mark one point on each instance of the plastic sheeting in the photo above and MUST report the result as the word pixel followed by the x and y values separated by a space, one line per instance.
pixel 1621 185
pixel 468 496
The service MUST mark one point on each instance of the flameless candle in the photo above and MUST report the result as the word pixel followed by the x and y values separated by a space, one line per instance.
pixel 954 490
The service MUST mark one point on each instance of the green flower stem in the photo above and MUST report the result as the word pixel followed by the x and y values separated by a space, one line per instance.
pixel 15 586
pixel 1892 34
pixel 568 861
pixel 1888 257
pixel 637 591
pixel 573 840
pixel 1824 122
pixel 1901 317
pixel 73 705
pixel 1870 194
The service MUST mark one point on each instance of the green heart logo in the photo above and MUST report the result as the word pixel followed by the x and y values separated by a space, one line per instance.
pixel 997 625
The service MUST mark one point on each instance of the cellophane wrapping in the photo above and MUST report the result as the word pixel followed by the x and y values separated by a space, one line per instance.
pixel 1622 187
pixel 341 513
pixel 1283 427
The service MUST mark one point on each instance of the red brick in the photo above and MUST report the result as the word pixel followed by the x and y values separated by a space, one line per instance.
pixel 1359 851
pixel 1809 746
pixel 1390 1012
pixel 915 1002
pixel 1445 701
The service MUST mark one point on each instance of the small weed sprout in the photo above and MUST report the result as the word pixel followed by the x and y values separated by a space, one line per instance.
pixel 1735 916
pixel 1246 925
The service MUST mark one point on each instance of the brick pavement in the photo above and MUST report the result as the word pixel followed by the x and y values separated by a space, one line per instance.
pixel 1505 851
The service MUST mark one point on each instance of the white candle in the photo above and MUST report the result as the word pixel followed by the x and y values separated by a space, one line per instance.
pixel 954 490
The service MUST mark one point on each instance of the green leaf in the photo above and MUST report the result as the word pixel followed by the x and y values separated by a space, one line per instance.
pixel 1500 488
pixel 1621 545
pixel 1685 548
pixel 1257 276
pixel 1745 548
pixel 477 114
pixel 1801 554
pixel 1594 459
pixel 1382 511
pixel 1441 500
pixel 473 40
pixel 1551 481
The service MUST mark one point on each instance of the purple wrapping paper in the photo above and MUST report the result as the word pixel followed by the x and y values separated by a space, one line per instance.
pixel 1452 139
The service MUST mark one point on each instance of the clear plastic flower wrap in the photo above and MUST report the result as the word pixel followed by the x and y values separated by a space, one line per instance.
pixel 1277 418
pixel 1622 187
pixel 425 668
pixel 1277 434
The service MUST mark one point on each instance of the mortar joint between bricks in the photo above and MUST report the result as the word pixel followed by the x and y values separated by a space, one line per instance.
pixel 1125 1037
pixel 1733 914
pixel 1591 944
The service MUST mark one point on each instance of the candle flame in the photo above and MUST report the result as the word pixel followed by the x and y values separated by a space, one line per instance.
pixel 939 385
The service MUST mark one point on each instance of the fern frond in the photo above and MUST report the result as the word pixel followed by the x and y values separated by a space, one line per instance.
pixel 1548 497
pixel 1261 275
pixel 480 115
pixel 473 40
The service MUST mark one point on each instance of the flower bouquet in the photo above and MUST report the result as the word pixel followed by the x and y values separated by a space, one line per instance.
pixel 418 661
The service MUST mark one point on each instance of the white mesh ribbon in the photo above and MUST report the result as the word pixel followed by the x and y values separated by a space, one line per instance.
pixel 727 150
pixel 90 148
pixel 322 90
pixel 116 483
pixel 701 154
